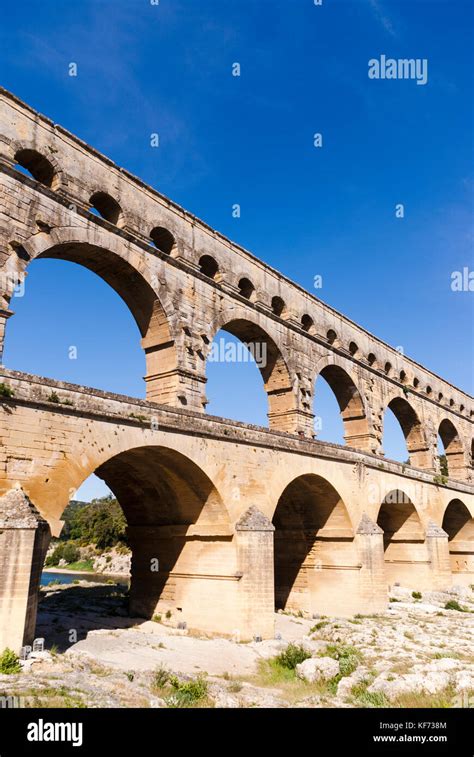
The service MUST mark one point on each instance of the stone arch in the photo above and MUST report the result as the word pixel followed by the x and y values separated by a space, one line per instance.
pixel 45 169
pixel 405 551
pixel 271 362
pixel 458 523
pixel 415 438
pixel 107 207
pixel 351 404
pixel 150 305
pixel 314 548
pixel 180 535
pixel 163 239
pixel 453 449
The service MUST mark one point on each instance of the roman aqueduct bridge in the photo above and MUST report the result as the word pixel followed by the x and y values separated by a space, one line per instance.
pixel 239 517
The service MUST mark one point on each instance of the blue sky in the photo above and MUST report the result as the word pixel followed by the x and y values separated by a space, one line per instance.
pixel 144 68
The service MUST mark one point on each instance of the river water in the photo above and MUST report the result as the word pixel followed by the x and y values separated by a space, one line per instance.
pixel 69 578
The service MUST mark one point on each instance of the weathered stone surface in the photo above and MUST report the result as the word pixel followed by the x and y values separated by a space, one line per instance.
pixel 317 669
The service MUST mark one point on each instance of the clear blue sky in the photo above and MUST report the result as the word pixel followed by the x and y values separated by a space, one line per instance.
pixel 249 140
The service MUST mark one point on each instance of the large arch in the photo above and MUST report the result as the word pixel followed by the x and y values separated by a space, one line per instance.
pixel 314 552
pixel 272 366
pixel 351 406
pixel 151 309
pixel 415 438
pixel 459 525
pixel 178 528
pixel 453 449
pixel 406 555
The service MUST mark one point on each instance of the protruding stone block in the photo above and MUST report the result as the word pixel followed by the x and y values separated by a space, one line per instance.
pixel 24 539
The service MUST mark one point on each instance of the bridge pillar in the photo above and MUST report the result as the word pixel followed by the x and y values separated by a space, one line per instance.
pixel 254 543
pixel 373 595
pixel 24 539
pixel 206 575
pixel 438 552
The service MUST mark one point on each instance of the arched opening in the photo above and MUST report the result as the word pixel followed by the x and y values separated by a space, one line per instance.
pixel 451 451
pixel 313 549
pixel 351 409
pixel 37 166
pixel 108 340
pixel 417 453
pixel 246 289
pixel 459 525
pixel 331 336
pixel 406 556
pixel 371 359
pixel 163 239
pixel 353 348
pixel 178 531
pixel 251 348
pixel 307 323
pixel 208 266
pixel 278 306
pixel 106 207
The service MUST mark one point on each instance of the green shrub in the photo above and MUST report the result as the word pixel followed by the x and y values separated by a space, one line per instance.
pixel 318 626
pixel 9 662
pixel 160 678
pixel 292 656
pixel 6 391
pixel 347 656
pixel 416 594
pixel 454 605
pixel 53 397
pixel 64 551
pixel 187 692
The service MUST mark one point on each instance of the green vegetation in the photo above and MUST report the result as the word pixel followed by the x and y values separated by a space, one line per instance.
pixel 53 397
pixel 366 698
pixel 9 662
pixel 100 522
pixel 178 693
pixel 347 656
pixel 6 391
pixel 82 565
pixel 416 594
pixel 292 656
pixel 443 465
pixel 64 551
pixel 454 605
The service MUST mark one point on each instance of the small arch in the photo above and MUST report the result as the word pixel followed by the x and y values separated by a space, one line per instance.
pixel 353 349
pixel 428 390
pixel 37 165
pixel 278 306
pixel 106 207
pixel 412 431
pixel 403 376
pixel 208 266
pixel 388 368
pixel 453 449
pixel 440 396
pixel 416 382
pixel 246 289
pixel 163 239
pixel 371 359
pixel 331 336
pixel 307 323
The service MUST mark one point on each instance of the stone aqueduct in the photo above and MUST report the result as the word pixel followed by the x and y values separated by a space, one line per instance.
pixel 239 517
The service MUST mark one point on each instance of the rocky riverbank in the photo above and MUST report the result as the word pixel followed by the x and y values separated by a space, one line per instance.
pixel 420 653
